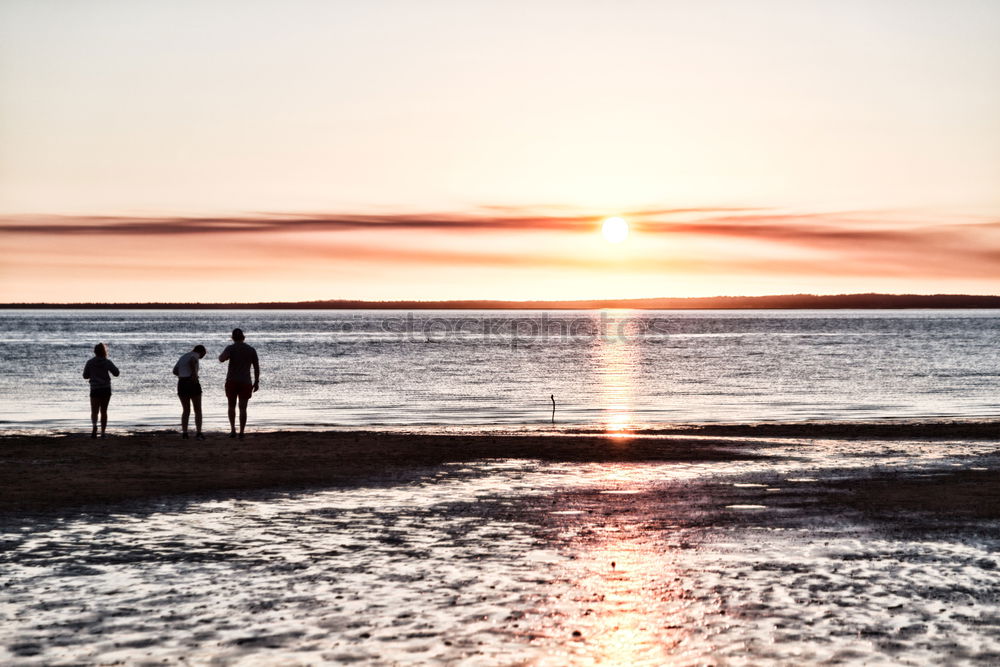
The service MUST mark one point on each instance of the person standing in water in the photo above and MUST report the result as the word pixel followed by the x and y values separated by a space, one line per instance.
pixel 189 389
pixel 99 370
pixel 241 358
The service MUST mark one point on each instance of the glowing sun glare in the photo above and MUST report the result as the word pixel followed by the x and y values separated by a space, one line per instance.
pixel 614 230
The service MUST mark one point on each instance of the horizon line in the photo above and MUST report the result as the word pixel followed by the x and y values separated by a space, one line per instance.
pixel 866 300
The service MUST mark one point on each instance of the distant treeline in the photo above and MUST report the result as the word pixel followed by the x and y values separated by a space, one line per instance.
pixel 784 302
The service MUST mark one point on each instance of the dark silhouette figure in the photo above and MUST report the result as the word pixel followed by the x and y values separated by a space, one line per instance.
pixel 553 398
pixel 189 389
pixel 241 358
pixel 99 370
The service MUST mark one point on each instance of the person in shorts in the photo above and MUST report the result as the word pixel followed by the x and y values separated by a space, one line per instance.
pixel 239 387
pixel 189 389
pixel 99 370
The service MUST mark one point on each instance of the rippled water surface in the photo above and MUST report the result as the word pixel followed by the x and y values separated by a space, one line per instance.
pixel 502 562
pixel 610 368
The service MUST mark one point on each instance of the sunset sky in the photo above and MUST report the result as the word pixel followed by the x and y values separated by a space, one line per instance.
pixel 249 150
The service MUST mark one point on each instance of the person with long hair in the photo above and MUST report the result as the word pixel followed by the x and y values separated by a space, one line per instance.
pixel 99 370
pixel 189 389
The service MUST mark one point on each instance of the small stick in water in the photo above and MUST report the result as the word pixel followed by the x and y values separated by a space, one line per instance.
pixel 553 397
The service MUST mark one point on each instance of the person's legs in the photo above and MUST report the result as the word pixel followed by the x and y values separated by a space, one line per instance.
pixel 95 407
pixel 185 414
pixel 243 414
pixel 232 392
pixel 196 401
pixel 104 413
pixel 232 415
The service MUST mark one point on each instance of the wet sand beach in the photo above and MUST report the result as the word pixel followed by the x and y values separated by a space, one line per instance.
pixel 72 469
pixel 795 546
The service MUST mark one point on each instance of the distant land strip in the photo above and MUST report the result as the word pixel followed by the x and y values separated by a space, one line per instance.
pixel 778 302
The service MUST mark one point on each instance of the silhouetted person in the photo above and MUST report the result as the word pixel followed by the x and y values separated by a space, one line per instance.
pixel 241 358
pixel 99 370
pixel 189 389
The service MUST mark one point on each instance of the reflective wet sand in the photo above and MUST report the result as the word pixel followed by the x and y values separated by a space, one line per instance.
pixel 796 557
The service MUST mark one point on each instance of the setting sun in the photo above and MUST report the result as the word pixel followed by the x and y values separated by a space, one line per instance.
pixel 615 230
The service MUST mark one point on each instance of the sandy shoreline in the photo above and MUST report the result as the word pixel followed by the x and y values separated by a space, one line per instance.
pixel 881 430
pixel 46 472
pixel 63 471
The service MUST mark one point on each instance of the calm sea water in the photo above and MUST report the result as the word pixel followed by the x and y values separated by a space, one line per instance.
pixel 613 369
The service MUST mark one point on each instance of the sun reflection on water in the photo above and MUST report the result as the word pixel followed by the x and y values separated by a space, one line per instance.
pixel 616 359
pixel 622 595
pixel 623 605
pixel 626 629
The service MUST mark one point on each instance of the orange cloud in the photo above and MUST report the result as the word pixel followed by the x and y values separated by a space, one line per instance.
pixel 724 241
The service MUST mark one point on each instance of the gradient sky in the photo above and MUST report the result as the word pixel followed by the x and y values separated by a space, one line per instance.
pixel 247 150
